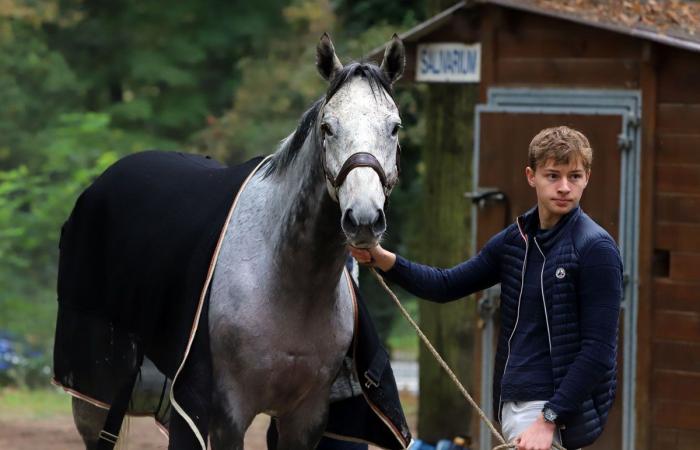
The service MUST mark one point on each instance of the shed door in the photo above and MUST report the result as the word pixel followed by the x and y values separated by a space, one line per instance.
pixel 503 143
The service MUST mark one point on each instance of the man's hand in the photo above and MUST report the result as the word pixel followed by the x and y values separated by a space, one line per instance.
pixel 537 436
pixel 375 257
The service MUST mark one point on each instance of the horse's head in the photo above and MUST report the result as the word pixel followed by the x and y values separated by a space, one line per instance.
pixel 358 127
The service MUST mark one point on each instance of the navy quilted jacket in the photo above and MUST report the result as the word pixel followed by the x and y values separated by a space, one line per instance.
pixel 582 285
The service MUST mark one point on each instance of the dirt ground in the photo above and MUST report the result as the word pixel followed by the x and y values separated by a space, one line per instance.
pixel 59 433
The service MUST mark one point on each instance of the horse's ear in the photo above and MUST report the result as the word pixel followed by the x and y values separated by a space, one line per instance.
pixel 394 59
pixel 327 62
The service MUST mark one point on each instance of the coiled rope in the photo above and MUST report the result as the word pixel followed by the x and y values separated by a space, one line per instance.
pixel 450 373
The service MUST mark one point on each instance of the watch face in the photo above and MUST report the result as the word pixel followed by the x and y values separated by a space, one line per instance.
pixel 549 415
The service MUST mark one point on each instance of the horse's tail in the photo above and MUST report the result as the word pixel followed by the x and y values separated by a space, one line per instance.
pixel 123 442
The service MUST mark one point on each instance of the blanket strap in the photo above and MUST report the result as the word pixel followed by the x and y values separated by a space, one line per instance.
pixel 373 374
pixel 110 432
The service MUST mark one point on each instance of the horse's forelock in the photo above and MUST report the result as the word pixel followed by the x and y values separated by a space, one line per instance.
pixel 377 80
pixel 379 84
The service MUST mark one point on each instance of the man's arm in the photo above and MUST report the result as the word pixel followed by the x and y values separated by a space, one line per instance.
pixel 599 297
pixel 436 284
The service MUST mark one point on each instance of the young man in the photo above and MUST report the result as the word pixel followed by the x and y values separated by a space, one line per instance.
pixel 561 287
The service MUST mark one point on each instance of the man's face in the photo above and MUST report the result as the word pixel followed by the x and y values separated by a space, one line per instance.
pixel 559 187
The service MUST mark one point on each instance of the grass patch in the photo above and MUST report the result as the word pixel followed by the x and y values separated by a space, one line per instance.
pixel 34 404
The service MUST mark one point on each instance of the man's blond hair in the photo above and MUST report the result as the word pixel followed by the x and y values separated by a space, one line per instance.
pixel 562 144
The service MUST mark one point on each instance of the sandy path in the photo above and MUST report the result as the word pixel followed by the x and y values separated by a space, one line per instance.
pixel 59 433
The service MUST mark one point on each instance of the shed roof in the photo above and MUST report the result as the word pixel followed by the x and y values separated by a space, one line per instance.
pixel 671 22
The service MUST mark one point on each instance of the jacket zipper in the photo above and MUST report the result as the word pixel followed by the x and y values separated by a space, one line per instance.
pixel 517 318
pixel 544 303
pixel 544 306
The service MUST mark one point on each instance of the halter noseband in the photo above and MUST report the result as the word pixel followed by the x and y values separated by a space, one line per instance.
pixel 362 159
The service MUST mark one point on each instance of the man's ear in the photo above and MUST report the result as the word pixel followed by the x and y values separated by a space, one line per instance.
pixel 530 175
pixel 588 177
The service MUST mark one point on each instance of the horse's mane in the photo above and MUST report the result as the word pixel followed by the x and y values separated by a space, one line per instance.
pixel 289 148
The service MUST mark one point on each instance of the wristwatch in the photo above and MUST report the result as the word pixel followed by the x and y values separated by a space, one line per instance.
pixel 549 415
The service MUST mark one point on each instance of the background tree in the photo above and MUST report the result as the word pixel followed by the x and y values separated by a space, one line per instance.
pixel 443 240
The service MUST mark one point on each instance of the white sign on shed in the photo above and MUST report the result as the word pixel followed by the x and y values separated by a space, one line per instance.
pixel 449 63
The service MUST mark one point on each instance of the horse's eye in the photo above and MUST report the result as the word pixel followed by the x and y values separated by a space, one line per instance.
pixel 395 131
pixel 326 129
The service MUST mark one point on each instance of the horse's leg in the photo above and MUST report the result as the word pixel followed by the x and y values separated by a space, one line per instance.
pixel 89 420
pixel 302 429
pixel 230 417
pixel 193 386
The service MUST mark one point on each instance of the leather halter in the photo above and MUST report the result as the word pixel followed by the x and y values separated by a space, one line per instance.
pixel 363 159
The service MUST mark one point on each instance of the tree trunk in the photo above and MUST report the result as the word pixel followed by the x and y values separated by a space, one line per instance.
pixel 445 241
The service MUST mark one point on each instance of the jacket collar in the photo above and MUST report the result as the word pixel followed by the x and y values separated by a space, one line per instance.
pixel 528 223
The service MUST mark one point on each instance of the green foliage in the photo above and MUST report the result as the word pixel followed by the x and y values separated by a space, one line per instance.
pixel 33 404
pixel 275 88
pixel 278 85
pixel 83 82
pixel 35 198
pixel 36 85
pixel 163 68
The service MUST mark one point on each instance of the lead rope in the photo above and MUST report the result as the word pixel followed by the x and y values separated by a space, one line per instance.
pixel 443 364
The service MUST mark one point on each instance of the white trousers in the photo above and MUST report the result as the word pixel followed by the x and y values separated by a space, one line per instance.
pixel 516 417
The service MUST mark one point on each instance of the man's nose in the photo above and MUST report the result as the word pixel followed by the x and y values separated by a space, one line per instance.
pixel 564 186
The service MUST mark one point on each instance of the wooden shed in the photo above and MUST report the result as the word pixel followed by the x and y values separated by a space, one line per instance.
pixel 627 74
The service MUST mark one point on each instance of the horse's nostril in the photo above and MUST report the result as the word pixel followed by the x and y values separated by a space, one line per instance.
pixel 379 225
pixel 350 223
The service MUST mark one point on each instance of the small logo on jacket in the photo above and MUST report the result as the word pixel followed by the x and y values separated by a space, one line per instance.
pixel 560 273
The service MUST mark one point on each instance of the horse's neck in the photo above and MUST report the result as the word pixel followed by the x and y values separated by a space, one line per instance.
pixel 308 241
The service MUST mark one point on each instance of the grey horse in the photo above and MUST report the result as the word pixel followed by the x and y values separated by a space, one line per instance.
pixel 281 309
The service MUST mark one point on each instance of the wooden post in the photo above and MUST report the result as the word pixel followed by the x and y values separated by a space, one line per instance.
pixel 648 82
pixel 444 241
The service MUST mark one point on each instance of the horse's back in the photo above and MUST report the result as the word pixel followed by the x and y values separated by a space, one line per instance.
pixel 134 255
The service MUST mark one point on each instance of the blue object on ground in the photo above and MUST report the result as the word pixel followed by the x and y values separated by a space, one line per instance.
pixel 420 445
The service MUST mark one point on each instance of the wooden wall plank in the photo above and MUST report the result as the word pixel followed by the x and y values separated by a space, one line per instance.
pixel 679 386
pixel 599 73
pixel 678 296
pixel 685 266
pixel 678 149
pixel 677 208
pixel 678 118
pixel 677 325
pixel 663 438
pixel 490 21
pixel 671 439
pixel 678 178
pixel 463 26
pixel 678 79
pixel 676 355
pixel 520 20
pixel 680 415
pixel 553 43
pixel 677 236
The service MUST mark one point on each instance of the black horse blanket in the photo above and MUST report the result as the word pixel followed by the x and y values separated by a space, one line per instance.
pixel 136 255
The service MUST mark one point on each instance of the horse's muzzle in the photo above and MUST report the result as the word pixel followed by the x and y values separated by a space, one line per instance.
pixel 363 230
